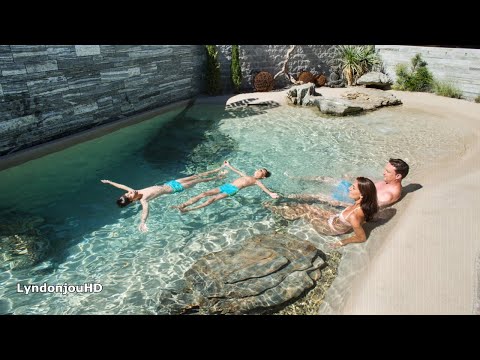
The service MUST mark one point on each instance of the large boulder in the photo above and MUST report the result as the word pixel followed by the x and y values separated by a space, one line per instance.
pixel 337 107
pixel 375 79
pixel 302 94
pixel 352 101
pixel 263 272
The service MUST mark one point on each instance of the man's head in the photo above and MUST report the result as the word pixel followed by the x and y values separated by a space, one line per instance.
pixel 395 170
pixel 126 199
pixel 262 173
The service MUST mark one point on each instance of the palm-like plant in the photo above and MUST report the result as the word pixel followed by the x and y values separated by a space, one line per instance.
pixel 356 60
pixel 347 57
pixel 369 59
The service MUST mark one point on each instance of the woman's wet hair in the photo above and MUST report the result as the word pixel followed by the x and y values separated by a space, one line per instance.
pixel 369 201
pixel 123 201
pixel 401 167
pixel 267 173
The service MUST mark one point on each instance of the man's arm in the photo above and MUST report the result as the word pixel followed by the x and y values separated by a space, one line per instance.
pixel 143 227
pixel 324 179
pixel 264 188
pixel 120 186
pixel 227 164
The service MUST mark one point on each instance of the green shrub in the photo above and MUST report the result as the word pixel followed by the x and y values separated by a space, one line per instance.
pixel 402 76
pixel 417 78
pixel 213 70
pixel 444 88
pixel 477 99
pixel 235 69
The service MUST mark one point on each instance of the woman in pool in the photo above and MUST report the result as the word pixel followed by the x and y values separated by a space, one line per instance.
pixel 149 193
pixel 362 191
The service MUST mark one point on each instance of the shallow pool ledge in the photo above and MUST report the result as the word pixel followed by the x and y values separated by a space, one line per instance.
pixel 40 150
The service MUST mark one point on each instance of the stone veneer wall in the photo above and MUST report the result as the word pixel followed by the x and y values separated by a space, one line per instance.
pixel 256 58
pixel 459 66
pixel 49 91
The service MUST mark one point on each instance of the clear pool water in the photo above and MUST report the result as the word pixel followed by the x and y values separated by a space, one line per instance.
pixel 72 232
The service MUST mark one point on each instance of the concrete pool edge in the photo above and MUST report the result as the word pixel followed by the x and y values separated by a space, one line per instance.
pixel 37 151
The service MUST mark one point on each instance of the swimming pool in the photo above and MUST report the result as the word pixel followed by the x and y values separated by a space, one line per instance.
pixel 74 233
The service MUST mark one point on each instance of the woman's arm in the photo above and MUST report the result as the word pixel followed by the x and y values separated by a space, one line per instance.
pixel 359 233
pixel 120 186
pixel 143 227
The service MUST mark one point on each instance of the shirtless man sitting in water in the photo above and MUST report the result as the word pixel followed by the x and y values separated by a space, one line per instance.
pixel 149 193
pixel 389 190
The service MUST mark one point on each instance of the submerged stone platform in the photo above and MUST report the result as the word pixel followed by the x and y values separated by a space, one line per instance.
pixel 259 274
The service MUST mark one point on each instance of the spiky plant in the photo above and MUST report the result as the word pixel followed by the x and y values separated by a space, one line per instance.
pixel 356 60
pixel 369 59
pixel 347 56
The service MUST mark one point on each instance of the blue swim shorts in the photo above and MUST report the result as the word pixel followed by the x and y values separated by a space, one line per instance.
pixel 229 189
pixel 340 193
pixel 175 185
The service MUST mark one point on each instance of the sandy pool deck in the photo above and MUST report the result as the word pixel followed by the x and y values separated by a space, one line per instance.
pixel 429 261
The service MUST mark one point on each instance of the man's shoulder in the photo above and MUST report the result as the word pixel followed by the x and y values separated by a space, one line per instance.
pixel 388 196
pixel 396 189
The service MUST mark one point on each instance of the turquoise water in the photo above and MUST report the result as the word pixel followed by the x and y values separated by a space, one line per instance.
pixel 72 232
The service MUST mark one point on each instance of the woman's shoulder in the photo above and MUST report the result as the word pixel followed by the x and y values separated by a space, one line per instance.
pixel 358 213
